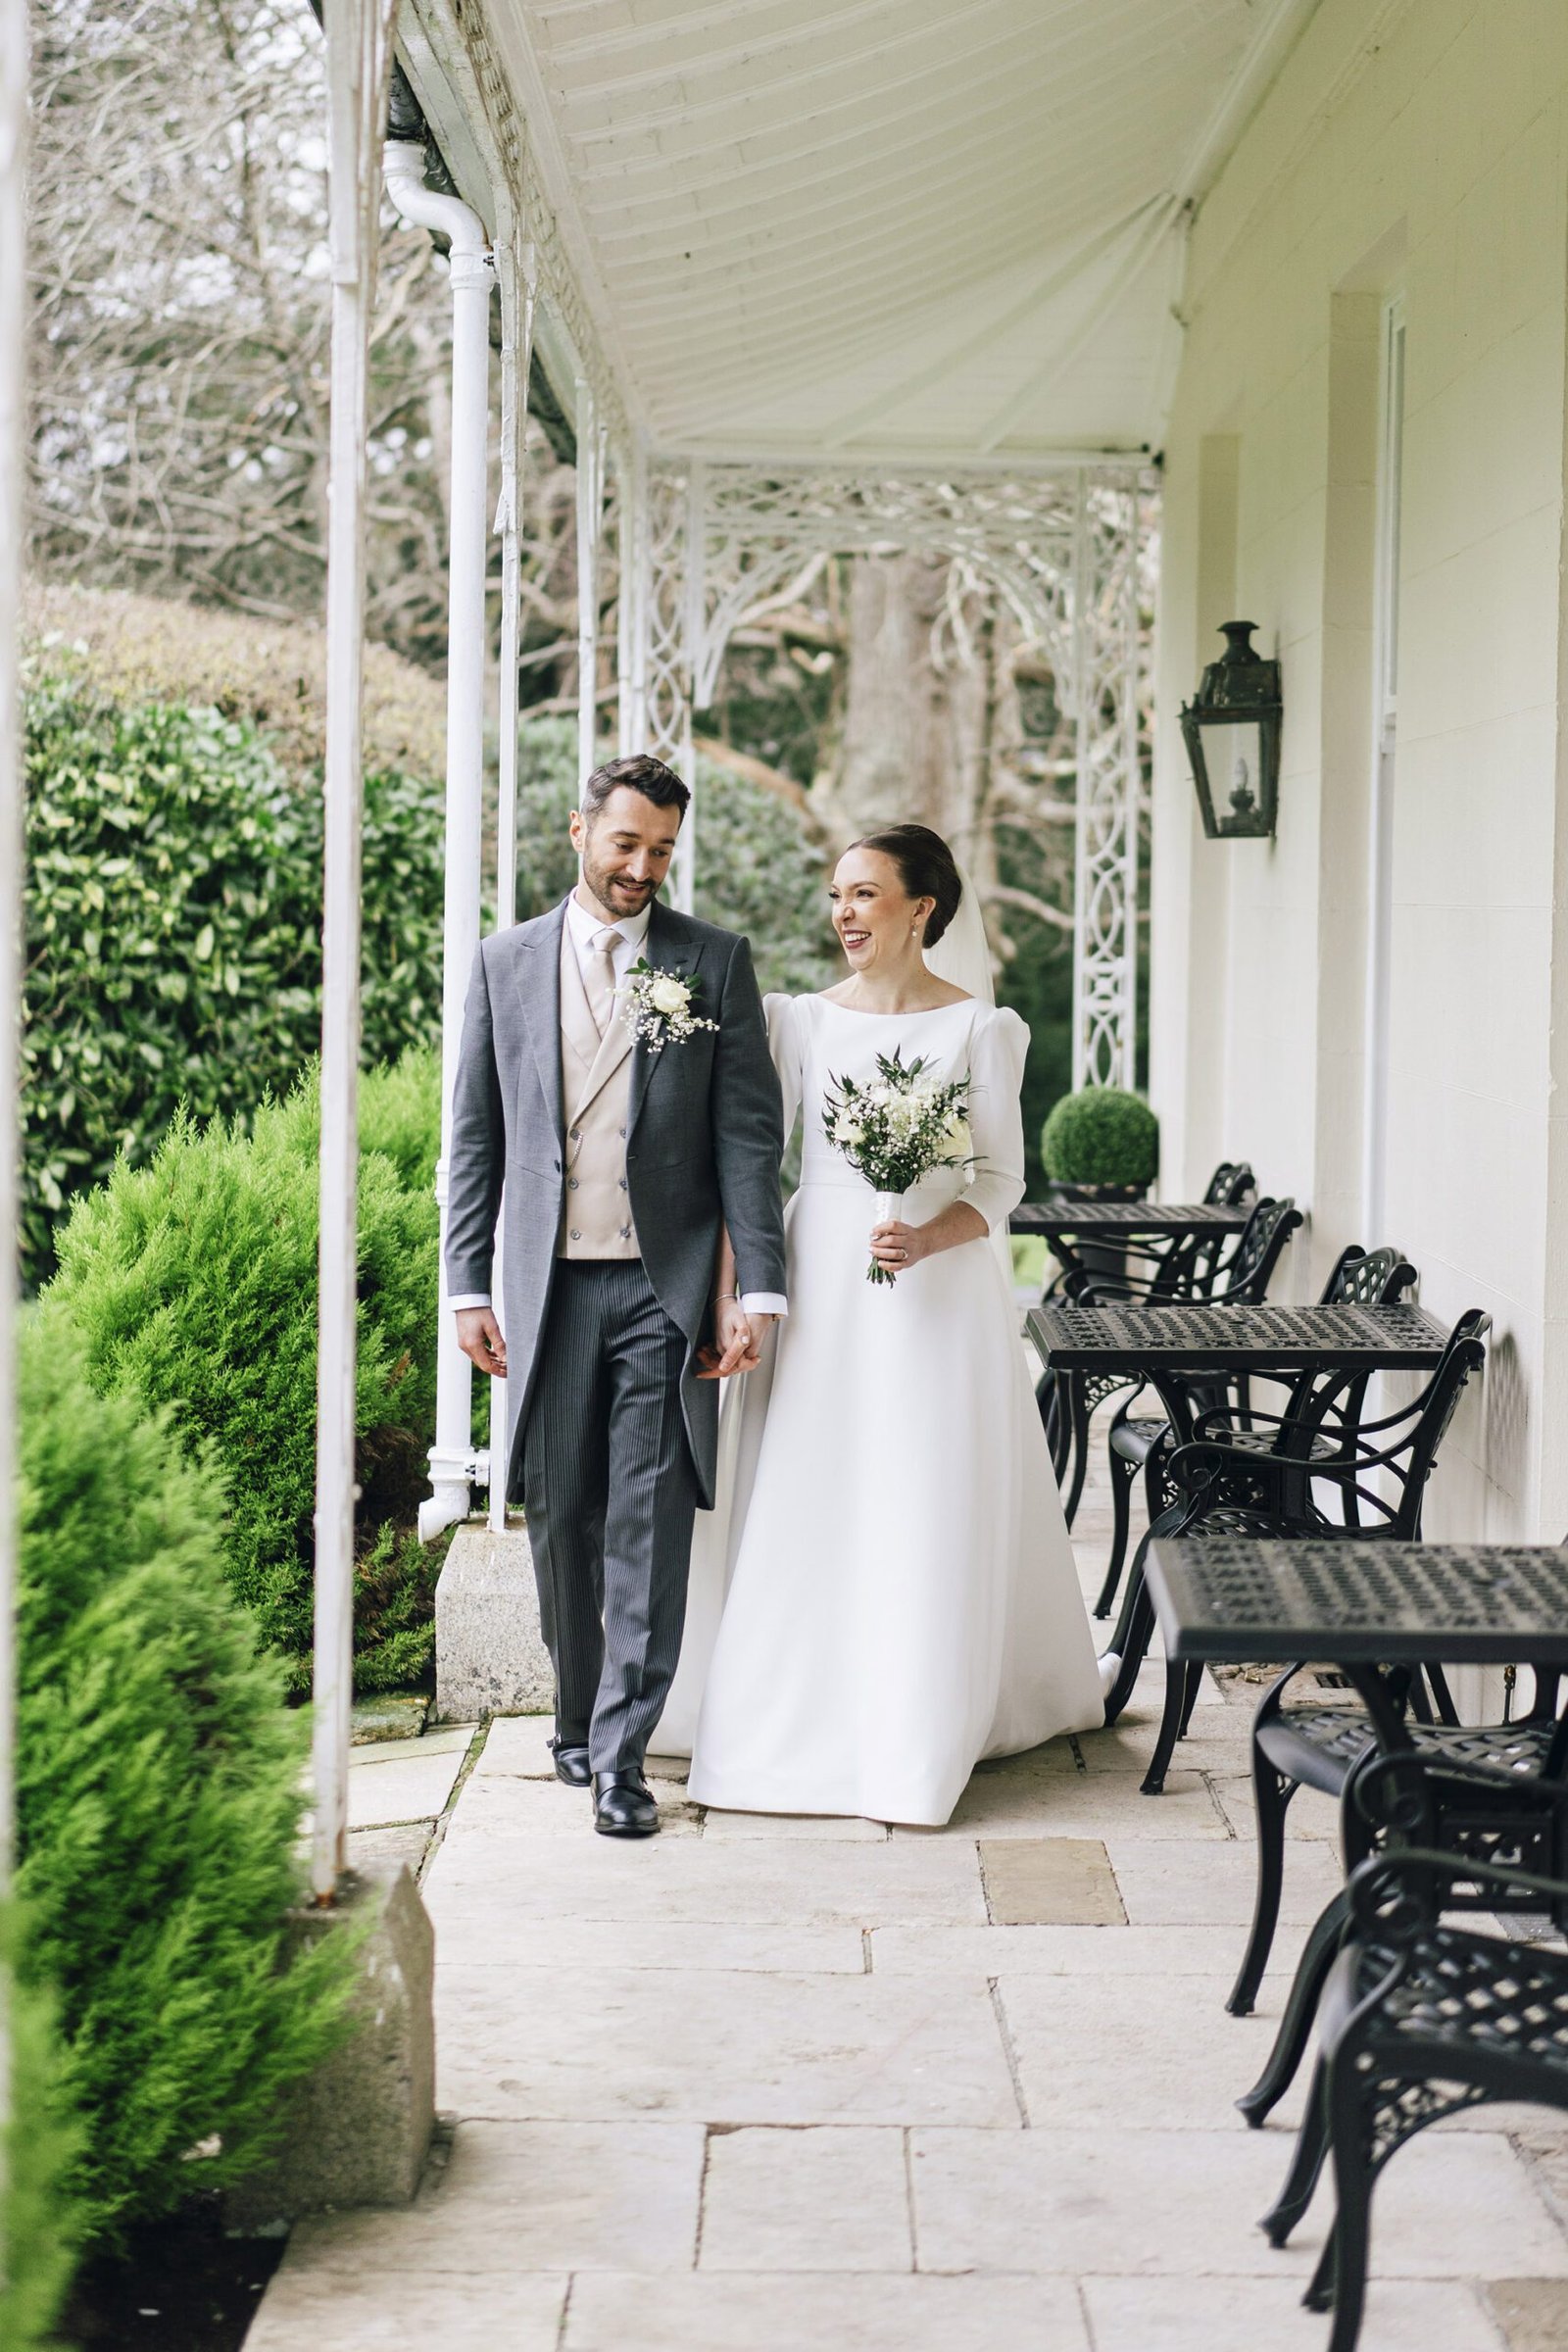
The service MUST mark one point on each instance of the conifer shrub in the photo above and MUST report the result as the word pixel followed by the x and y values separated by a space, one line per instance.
pixel 37 2225
pixel 157 1806
pixel 191 1283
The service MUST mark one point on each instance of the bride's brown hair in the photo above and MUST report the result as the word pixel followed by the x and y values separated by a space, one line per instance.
pixel 927 868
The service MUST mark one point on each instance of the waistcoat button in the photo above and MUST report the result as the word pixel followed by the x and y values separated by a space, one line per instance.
pixel 575 1235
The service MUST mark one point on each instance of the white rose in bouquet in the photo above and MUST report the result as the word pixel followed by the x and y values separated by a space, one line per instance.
pixel 666 994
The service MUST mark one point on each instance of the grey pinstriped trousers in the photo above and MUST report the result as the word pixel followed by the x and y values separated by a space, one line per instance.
pixel 610 1491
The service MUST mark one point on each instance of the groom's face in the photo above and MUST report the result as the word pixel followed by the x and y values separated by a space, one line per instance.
pixel 625 847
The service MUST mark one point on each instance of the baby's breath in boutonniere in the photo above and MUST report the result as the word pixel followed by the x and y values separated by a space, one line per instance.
pixel 657 1006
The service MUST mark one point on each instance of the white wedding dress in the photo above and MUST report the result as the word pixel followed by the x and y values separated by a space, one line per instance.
pixel 885 1591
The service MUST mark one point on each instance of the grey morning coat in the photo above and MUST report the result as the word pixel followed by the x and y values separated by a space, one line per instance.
pixel 705 1135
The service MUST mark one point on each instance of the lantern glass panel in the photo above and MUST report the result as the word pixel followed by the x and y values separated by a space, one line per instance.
pixel 1232 752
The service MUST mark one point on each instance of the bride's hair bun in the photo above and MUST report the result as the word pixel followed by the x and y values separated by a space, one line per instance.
pixel 927 866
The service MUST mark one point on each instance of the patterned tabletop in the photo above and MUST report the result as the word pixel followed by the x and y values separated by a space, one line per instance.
pixel 1241 1338
pixel 1357 1602
pixel 1125 1218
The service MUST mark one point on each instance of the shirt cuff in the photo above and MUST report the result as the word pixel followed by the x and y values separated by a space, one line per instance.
pixel 764 1303
pixel 470 1298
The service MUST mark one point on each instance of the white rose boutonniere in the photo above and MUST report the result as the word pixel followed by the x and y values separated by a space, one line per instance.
pixel 657 1006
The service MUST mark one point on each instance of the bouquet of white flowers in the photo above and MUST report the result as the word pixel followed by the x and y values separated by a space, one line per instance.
pixel 898 1129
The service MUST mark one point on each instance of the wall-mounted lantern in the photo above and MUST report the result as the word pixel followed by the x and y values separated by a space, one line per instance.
pixel 1232 731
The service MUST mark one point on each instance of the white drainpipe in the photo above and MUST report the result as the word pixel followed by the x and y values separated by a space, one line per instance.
pixel 454 1461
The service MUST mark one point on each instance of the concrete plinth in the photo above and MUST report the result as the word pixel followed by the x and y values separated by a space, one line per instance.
pixel 490 1656
pixel 358 2130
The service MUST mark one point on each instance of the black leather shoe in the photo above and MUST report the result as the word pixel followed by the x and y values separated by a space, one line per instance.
pixel 623 1805
pixel 571 1762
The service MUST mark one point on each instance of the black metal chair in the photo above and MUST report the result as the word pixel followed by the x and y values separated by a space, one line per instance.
pixel 1185 1270
pixel 1421 2018
pixel 1137 1442
pixel 1530 1749
pixel 1223 1488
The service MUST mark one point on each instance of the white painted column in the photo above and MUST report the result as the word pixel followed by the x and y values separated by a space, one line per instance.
pixel 13 440
pixel 358 61
pixel 454 1463
pixel 518 294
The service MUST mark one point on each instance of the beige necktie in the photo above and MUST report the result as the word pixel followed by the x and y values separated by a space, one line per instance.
pixel 599 978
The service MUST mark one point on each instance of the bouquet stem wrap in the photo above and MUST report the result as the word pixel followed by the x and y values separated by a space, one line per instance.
pixel 888 1210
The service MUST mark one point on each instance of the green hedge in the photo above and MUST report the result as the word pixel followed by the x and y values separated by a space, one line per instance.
pixel 1101 1135
pixel 157 1805
pixel 173 892
pixel 191 1283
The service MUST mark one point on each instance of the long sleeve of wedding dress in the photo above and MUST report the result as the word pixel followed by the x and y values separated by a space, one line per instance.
pixel 997 1052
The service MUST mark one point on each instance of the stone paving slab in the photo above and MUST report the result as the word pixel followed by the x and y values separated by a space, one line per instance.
pixel 1311 1813
pixel 711 2313
pixel 1265 2314
pixel 413 1787
pixel 519 2198
pixel 1049 1882
pixel 326 2312
pixel 1531 2313
pixel 1054 1805
pixel 1166 2055
pixel 1096 1953
pixel 720 2049
pixel 1180 1883
pixel 573 1946
pixel 1185 2203
pixel 743 1882
pixel 826 2199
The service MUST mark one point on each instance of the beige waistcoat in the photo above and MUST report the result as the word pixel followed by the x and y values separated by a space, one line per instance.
pixel 596 1095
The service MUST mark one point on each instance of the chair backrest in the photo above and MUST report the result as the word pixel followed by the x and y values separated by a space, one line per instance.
pixel 1257 1252
pixel 1367 1278
pixel 1232 1181
pixel 1434 1410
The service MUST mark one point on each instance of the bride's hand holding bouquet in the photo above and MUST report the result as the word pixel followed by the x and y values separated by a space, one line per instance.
pixel 895 1132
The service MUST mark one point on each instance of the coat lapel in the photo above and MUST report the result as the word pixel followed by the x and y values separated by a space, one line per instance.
pixel 666 952
pixel 538 979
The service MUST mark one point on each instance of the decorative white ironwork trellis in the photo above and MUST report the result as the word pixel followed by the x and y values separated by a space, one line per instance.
pixel 709 547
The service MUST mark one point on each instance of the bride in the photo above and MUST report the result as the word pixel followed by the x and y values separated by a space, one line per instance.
pixel 885 1591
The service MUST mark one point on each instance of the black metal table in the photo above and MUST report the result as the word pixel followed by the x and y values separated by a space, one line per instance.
pixel 1158 1341
pixel 1174 1347
pixel 1131 1221
pixel 1360 1602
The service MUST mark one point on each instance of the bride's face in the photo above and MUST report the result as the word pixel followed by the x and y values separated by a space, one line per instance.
pixel 876 919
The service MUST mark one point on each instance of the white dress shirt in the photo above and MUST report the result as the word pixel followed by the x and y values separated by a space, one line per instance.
pixel 584 925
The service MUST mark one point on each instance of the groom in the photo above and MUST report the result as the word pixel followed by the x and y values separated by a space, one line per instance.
pixel 621 1160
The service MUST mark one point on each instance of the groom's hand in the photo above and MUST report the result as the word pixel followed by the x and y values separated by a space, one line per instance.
pixel 479 1338
pixel 734 1348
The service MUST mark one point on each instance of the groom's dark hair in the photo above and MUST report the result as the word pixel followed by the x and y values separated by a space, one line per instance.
pixel 639 773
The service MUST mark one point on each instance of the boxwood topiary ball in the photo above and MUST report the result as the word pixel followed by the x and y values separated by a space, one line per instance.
pixel 1101 1135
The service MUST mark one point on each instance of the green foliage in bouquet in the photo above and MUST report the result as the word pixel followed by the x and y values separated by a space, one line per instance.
pixel 191 1283
pixel 1101 1136
pixel 173 891
pixel 157 1806
pixel 37 2225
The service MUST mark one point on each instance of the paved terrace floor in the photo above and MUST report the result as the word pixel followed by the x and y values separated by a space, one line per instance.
pixel 767 2086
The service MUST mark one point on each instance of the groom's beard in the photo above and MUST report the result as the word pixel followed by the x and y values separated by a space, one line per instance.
pixel 617 897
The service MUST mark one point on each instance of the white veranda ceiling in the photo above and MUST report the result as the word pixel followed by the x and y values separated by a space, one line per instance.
pixel 924 229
